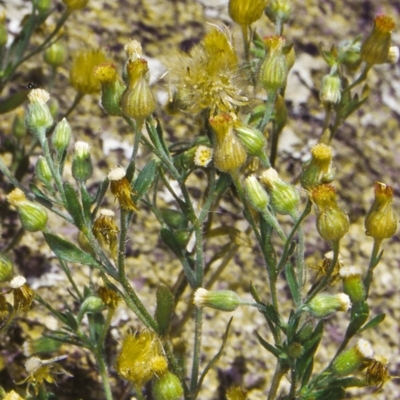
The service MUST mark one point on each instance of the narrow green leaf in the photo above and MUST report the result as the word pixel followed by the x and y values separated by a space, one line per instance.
pixel 272 349
pixel 292 282
pixel 69 252
pixel 73 205
pixel 293 324
pixel 13 101
pixel 39 194
pixel 254 293
pixel 359 314
pixel 165 309
pixel 145 179
pixel 373 323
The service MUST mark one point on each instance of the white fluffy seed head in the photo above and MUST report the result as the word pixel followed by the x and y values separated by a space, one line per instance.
pixel 17 282
pixel 116 174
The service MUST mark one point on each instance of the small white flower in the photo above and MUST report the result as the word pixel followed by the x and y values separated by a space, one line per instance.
pixel 203 156
pixel 17 282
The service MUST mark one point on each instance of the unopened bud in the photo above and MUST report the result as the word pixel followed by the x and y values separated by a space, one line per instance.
pixel 137 100
pixel 229 152
pixel 245 12
pixel 55 55
pixel 381 221
pixel 61 137
pixel 330 90
pixel 38 116
pixel 324 305
pixel 319 169
pixel 279 10
pixel 42 170
pixel 273 69
pixel 332 221
pixel 284 197
pixel 82 168
pixel 252 139
pixel 111 88
pixel 92 304
pixel 167 387
pixel 351 360
pixel 375 47
pixel 222 300
pixel 256 194
pixel 33 216
pixel 352 283
pixel 6 268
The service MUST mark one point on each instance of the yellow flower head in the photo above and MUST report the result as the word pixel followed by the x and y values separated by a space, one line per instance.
pixel 23 294
pixel 141 358
pixel 109 297
pixel 106 231
pixel 207 76
pixel 42 371
pixel 121 189
pixel 81 74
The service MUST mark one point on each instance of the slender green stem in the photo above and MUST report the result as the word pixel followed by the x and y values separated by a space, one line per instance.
pixel 101 364
pixel 276 380
pixel 246 44
pixel 143 314
pixel 196 351
pixel 78 97
pixel 361 78
pixel 269 108
pixel 372 264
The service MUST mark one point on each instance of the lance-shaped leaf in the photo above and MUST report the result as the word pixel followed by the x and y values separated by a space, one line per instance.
pixel 145 179
pixel 69 252
pixel 73 205
pixel 373 323
pixel 165 309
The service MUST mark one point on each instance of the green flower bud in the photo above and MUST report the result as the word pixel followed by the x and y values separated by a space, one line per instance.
pixel 33 216
pixel 167 387
pixel 332 222
pixel 295 350
pixel 245 12
pixel 252 139
pixel 55 55
pixel 42 5
pixel 222 300
pixel 92 304
pixel 82 168
pixel 42 171
pixel 331 88
pixel 257 196
pixel 279 10
pixel 352 283
pixel 137 101
pixel 284 197
pixel 229 152
pixel 6 268
pixel 351 360
pixel 319 169
pixel 111 88
pixel 375 47
pixel 38 116
pixel 381 221
pixel 324 305
pixel 41 345
pixel 61 137
pixel 19 127
pixel 273 70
